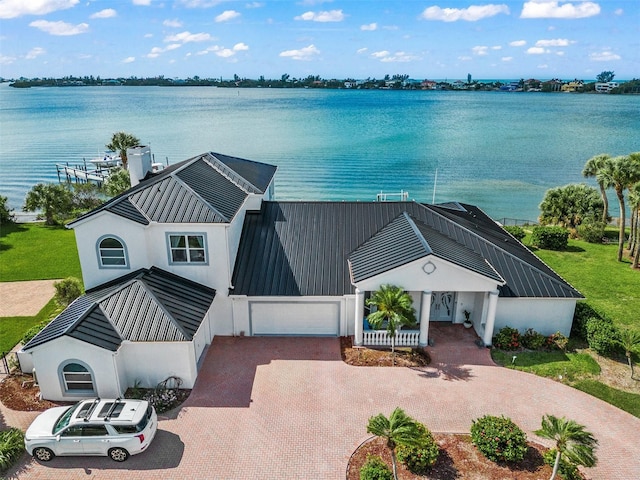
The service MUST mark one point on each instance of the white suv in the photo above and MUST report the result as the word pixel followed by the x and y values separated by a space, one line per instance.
pixel 117 428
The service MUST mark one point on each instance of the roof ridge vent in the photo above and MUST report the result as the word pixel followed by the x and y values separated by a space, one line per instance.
pixel 230 174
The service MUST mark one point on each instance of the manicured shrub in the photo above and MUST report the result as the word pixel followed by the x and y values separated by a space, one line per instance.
pixel 11 447
pixel 420 459
pixel 602 336
pixel 33 331
pixel 568 470
pixel 375 469
pixel 550 238
pixel 499 439
pixel 582 314
pixel 533 340
pixel 516 231
pixel 507 339
pixel 591 232
pixel 67 290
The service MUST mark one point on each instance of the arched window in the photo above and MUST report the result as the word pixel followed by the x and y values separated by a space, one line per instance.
pixel 77 378
pixel 112 253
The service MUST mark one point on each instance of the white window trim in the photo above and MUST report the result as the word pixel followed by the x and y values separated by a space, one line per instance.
pixel 187 234
pixel 124 250
pixel 64 384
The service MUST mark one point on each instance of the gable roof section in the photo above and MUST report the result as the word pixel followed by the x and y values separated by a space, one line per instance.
pixel 303 248
pixel 143 306
pixel 208 188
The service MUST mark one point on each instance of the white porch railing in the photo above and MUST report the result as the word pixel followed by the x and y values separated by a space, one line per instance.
pixel 380 338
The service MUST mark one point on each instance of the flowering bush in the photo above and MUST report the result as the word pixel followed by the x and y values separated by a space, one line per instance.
pixel 533 340
pixel 507 339
pixel 421 458
pixel 499 439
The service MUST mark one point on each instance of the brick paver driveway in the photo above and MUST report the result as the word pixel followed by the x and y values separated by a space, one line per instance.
pixel 289 408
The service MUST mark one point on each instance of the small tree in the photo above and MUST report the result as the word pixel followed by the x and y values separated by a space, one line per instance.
pixel 398 429
pixel 6 215
pixel 86 196
pixel 120 141
pixel 67 290
pixel 572 441
pixel 394 307
pixel 605 76
pixel 55 200
pixel 570 205
pixel 629 340
pixel 118 182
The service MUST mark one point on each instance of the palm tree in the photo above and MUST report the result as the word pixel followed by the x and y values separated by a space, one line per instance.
pixel 55 200
pixel 398 429
pixel 591 169
pixel 629 340
pixel 120 141
pixel 634 237
pixel 394 307
pixel 572 441
pixel 620 173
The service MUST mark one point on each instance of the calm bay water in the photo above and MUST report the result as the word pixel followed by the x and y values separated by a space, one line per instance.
pixel 500 151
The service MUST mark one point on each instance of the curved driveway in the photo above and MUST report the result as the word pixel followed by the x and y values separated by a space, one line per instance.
pixel 289 408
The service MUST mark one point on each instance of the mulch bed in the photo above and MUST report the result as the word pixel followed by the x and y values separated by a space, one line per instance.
pixel 379 357
pixel 24 398
pixel 459 459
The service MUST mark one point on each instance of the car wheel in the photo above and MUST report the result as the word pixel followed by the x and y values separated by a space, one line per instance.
pixel 118 454
pixel 43 454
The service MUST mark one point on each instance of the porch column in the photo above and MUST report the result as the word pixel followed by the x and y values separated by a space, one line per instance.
pixel 359 317
pixel 491 318
pixel 425 313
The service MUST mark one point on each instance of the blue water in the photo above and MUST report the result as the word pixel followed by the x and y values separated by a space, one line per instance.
pixel 500 151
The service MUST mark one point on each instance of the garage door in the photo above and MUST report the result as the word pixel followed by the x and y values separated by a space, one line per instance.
pixel 294 318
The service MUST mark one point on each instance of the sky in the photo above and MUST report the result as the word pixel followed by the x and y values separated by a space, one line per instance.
pixel 359 39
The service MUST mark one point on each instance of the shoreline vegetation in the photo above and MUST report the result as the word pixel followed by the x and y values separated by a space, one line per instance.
pixel 394 82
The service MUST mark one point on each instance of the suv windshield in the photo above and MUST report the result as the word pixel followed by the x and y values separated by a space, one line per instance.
pixel 63 421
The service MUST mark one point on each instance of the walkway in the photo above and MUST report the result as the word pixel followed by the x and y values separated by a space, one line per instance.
pixel 25 299
pixel 289 408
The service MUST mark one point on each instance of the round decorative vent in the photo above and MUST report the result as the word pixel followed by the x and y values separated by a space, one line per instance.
pixel 429 268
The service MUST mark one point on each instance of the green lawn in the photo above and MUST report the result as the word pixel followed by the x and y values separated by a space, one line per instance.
pixel 629 402
pixel 12 329
pixel 557 365
pixel 33 251
pixel 610 287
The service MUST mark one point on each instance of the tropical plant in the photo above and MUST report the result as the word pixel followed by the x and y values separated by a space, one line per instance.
pixel 620 173
pixel 5 212
pixel 67 290
pixel 550 238
pixel 55 200
pixel 570 205
pixel 605 76
pixel 120 141
pixel 590 170
pixel 419 459
pixel 375 469
pixel 119 181
pixel 571 439
pixel 499 439
pixel 394 309
pixel 11 447
pixel 398 429
pixel 634 237
pixel 86 196
pixel 602 335
pixel 629 340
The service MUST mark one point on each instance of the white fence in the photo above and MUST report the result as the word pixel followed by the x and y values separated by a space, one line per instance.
pixel 380 338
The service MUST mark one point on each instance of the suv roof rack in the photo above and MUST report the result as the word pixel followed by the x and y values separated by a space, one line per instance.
pixel 90 410
pixel 107 417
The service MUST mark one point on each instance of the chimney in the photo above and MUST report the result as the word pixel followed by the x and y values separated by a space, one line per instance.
pixel 139 163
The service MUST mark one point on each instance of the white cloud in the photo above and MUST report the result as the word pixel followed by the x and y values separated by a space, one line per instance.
pixel 506 59
pixel 360 51
pixel 60 28
pixel 240 47
pixel 172 46
pixel 148 35
pixel 187 37
pixel 227 15
pixel 155 52
pixel 555 9
pixel 175 23
pixel 200 3
pixel 35 52
pixel 465 58
pixel 543 66
pixel 618 11
pixel 6 60
pixel 254 5
pixel 225 53
pixel 470 14
pixel 142 3
pixel 325 16
pixel 604 56
pixel 496 47
pixel 537 51
pixel 106 13
pixel 369 28
pixel 556 42
pixel 306 53
pixel 480 50
pixel 129 60
pixel 381 54
pixel 399 57
pixel 17 8
pixel 518 43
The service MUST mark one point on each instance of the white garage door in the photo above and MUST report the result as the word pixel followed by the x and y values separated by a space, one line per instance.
pixel 294 318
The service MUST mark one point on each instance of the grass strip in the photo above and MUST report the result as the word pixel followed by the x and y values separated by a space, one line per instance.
pixel 12 329
pixel 629 402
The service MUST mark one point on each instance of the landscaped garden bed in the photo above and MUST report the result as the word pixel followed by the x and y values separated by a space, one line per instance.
pixel 381 357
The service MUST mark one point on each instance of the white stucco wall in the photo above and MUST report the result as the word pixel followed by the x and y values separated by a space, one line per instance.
pixel 48 357
pixel 149 363
pixel 544 315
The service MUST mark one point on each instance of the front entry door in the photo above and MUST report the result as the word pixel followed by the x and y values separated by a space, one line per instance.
pixel 442 306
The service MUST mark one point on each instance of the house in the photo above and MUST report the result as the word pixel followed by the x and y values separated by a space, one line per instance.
pixel 201 249
pixel 606 87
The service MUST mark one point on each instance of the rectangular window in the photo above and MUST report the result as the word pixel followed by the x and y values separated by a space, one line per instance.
pixel 185 248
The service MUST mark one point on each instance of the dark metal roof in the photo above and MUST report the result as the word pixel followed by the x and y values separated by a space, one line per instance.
pixel 302 248
pixel 143 306
pixel 208 188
